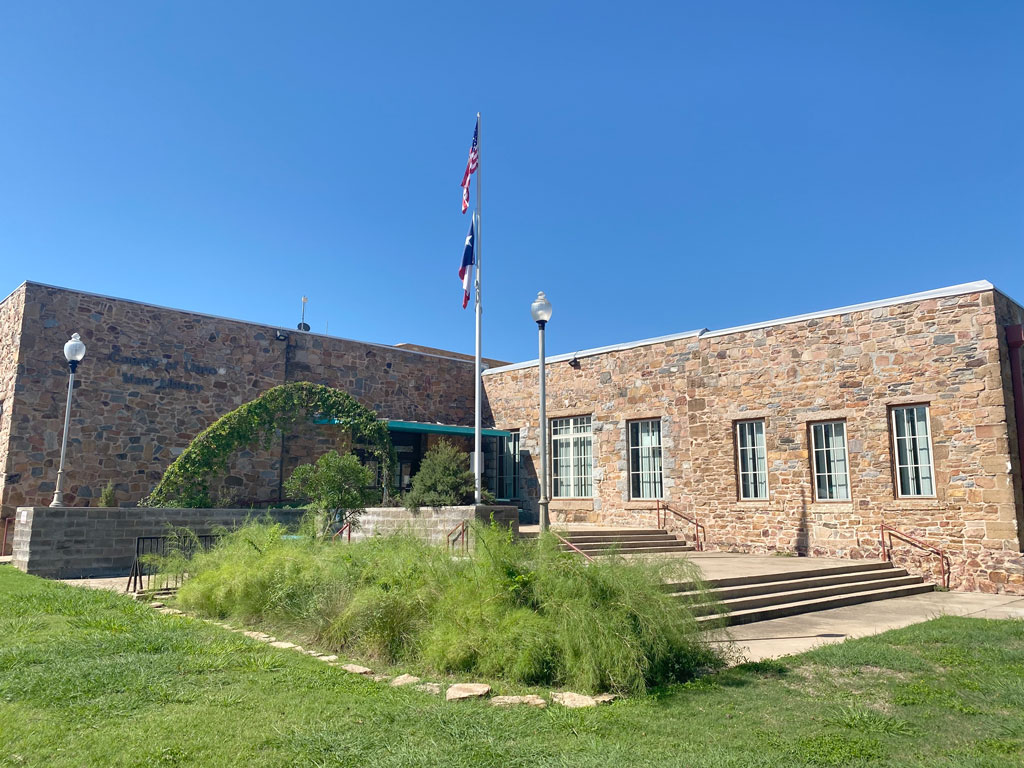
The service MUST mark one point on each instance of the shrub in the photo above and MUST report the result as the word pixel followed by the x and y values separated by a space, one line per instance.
pixel 334 482
pixel 523 611
pixel 444 479
pixel 108 496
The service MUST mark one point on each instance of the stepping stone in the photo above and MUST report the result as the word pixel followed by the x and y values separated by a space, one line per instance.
pixel 404 680
pixel 605 698
pixel 283 644
pixel 156 605
pixel 169 611
pixel 512 701
pixel 434 688
pixel 573 700
pixel 379 678
pixel 328 659
pixel 461 691
pixel 355 669
pixel 257 635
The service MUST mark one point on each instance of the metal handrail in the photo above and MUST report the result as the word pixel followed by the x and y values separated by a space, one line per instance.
pixel 945 564
pixel 8 524
pixel 459 533
pixel 571 546
pixel 142 574
pixel 699 531
pixel 347 527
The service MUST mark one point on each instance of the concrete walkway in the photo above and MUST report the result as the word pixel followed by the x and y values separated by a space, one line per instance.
pixel 795 634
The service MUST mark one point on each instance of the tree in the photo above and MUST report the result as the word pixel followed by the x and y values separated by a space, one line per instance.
pixel 444 479
pixel 335 482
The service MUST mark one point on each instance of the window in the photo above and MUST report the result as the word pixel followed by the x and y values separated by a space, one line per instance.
pixel 508 467
pixel 645 459
pixel 915 475
pixel 829 462
pixel 571 457
pixel 751 457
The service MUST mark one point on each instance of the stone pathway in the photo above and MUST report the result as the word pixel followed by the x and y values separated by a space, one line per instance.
pixel 454 692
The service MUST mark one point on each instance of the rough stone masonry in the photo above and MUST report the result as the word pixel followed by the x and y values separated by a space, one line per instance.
pixel 947 351
pixel 155 377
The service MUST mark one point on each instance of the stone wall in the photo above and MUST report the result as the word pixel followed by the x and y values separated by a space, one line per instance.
pixel 153 378
pixel 431 523
pixel 81 542
pixel 10 335
pixel 947 352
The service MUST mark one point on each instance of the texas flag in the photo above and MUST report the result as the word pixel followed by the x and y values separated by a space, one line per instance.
pixel 466 270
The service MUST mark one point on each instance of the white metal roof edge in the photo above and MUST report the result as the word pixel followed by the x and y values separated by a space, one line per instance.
pixel 952 290
pixel 937 293
pixel 236 320
pixel 597 351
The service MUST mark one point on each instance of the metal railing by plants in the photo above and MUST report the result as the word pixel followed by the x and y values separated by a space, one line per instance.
pixel 458 537
pixel 154 553
pixel 8 535
pixel 344 533
pixel 571 546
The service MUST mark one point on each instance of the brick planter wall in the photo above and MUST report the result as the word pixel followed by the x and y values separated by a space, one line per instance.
pixel 81 542
pixel 431 523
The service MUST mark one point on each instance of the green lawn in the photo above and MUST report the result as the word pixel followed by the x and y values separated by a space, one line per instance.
pixel 95 679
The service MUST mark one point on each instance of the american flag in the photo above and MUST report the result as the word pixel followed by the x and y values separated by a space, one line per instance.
pixel 471 164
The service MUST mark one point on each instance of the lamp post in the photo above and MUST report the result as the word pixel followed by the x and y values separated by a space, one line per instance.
pixel 541 311
pixel 74 351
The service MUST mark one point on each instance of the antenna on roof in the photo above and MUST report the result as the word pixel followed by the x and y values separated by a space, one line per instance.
pixel 303 325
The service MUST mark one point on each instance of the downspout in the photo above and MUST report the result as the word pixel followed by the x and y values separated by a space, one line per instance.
pixel 1015 340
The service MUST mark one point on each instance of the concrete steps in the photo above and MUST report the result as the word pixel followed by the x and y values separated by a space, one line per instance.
pixel 595 542
pixel 748 599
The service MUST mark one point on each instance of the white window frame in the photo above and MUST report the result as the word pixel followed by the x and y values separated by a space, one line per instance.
pixel 657 475
pixel 581 468
pixel 758 458
pixel 815 449
pixel 896 451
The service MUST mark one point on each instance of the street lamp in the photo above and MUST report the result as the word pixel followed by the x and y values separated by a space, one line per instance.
pixel 74 351
pixel 541 311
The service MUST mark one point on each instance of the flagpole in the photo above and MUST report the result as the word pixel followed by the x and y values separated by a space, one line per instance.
pixel 477 432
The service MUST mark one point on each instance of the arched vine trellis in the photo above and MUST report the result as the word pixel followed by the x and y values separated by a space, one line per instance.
pixel 186 483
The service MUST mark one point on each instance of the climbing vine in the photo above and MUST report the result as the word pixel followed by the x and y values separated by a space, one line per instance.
pixel 186 483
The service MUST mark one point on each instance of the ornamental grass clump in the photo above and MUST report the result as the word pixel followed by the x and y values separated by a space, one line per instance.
pixel 517 610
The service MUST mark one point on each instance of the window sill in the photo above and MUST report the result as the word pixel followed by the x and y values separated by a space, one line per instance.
pixel 571 504
pixel 643 503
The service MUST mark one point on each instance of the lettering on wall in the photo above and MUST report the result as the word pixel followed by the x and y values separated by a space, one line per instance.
pixel 163 370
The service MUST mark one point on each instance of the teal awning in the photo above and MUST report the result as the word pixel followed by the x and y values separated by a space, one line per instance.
pixel 422 427
pixel 442 429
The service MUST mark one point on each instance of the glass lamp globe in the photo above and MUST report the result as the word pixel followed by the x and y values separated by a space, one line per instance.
pixel 541 308
pixel 74 350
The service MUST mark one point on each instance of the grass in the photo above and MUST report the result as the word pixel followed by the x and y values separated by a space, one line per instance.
pixel 516 611
pixel 94 679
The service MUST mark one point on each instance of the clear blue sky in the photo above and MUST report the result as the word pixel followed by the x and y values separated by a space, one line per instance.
pixel 653 167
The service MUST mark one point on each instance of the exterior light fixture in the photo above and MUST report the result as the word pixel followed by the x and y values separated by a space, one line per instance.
pixel 541 311
pixel 74 352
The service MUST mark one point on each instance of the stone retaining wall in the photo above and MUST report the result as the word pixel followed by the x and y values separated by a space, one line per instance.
pixel 81 542
pixel 431 523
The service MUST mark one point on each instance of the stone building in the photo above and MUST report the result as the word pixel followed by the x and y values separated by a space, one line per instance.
pixel 153 378
pixel 800 435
